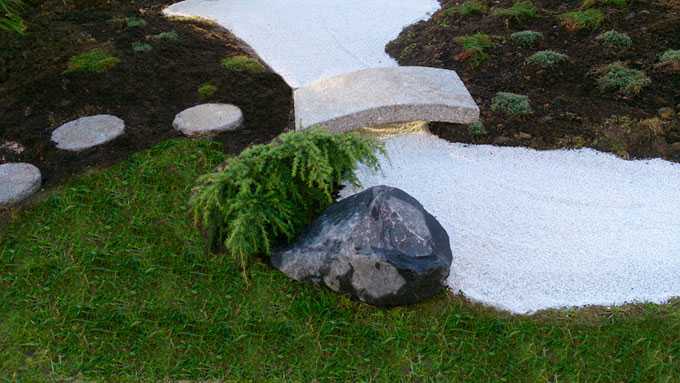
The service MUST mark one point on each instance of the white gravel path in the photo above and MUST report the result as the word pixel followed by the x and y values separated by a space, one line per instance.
pixel 307 40
pixel 536 230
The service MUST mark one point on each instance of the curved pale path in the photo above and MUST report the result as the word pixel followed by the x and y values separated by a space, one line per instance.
pixel 308 40
pixel 536 230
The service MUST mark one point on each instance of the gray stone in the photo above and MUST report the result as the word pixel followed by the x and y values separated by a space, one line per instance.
pixel 18 181
pixel 88 132
pixel 384 96
pixel 379 246
pixel 208 119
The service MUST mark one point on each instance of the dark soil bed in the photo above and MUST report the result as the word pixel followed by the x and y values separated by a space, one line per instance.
pixel 147 89
pixel 569 110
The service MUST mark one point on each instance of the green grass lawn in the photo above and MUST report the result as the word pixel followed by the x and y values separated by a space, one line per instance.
pixel 105 279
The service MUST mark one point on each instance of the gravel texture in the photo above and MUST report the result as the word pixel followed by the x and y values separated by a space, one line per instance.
pixel 534 230
pixel 307 40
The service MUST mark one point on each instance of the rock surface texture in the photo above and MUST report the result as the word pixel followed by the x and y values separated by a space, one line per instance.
pixel 87 132
pixel 384 96
pixel 379 246
pixel 208 119
pixel 17 182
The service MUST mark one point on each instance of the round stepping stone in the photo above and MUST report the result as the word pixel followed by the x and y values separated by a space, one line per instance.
pixel 87 132
pixel 17 182
pixel 208 119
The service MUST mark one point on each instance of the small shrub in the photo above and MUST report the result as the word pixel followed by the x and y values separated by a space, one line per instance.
pixel 526 39
pixel 468 8
pixel 628 137
pixel 615 40
pixel 619 78
pixel 612 3
pixel 547 58
pixel 207 89
pixel 477 129
pixel 141 47
pixel 511 104
pixel 578 20
pixel 474 47
pixel 94 61
pixel 168 36
pixel 135 22
pixel 242 63
pixel 670 56
pixel 269 193
pixel 520 11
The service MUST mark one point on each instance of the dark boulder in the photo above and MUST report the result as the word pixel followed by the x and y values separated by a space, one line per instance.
pixel 379 246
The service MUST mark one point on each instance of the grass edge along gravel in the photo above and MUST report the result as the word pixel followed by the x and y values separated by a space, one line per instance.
pixel 105 279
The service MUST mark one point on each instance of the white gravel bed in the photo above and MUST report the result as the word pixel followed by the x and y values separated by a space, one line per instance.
pixel 307 40
pixel 535 230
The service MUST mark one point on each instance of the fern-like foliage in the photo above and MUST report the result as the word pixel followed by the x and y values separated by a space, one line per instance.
pixel 269 193
pixel 9 16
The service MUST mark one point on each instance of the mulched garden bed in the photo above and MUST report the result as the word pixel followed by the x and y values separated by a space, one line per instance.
pixel 569 110
pixel 146 89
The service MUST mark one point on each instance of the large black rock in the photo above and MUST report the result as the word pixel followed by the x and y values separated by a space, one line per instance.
pixel 379 246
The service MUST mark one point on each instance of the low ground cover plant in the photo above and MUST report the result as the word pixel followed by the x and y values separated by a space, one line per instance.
pixel 165 36
pixel 615 40
pixel 468 8
pixel 511 104
pixel 135 22
pixel 526 39
pixel 670 56
pixel 520 11
pixel 93 61
pixel 618 78
pixel 270 192
pixel 547 58
pixel 587 19
pixel 475 47
pixel 141 47
pixel 242 63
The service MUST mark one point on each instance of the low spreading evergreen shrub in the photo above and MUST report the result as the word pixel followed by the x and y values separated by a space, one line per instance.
pixel 618 78
pixel 511 104
pixel 269 193
pixel 10 20
pixel 547 58
pixel 615 40
pixel 526 39
pixel 670 56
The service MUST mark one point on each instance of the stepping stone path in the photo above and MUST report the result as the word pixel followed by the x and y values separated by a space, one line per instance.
pixel 208 119
pixel 333 53
pixel 384 96
pixel 18 181
pixel 87 132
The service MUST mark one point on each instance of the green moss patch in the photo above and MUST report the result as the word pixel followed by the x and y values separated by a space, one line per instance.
pixel 468 8
pixel 207 89
pixel 242 63
pixel 93 61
